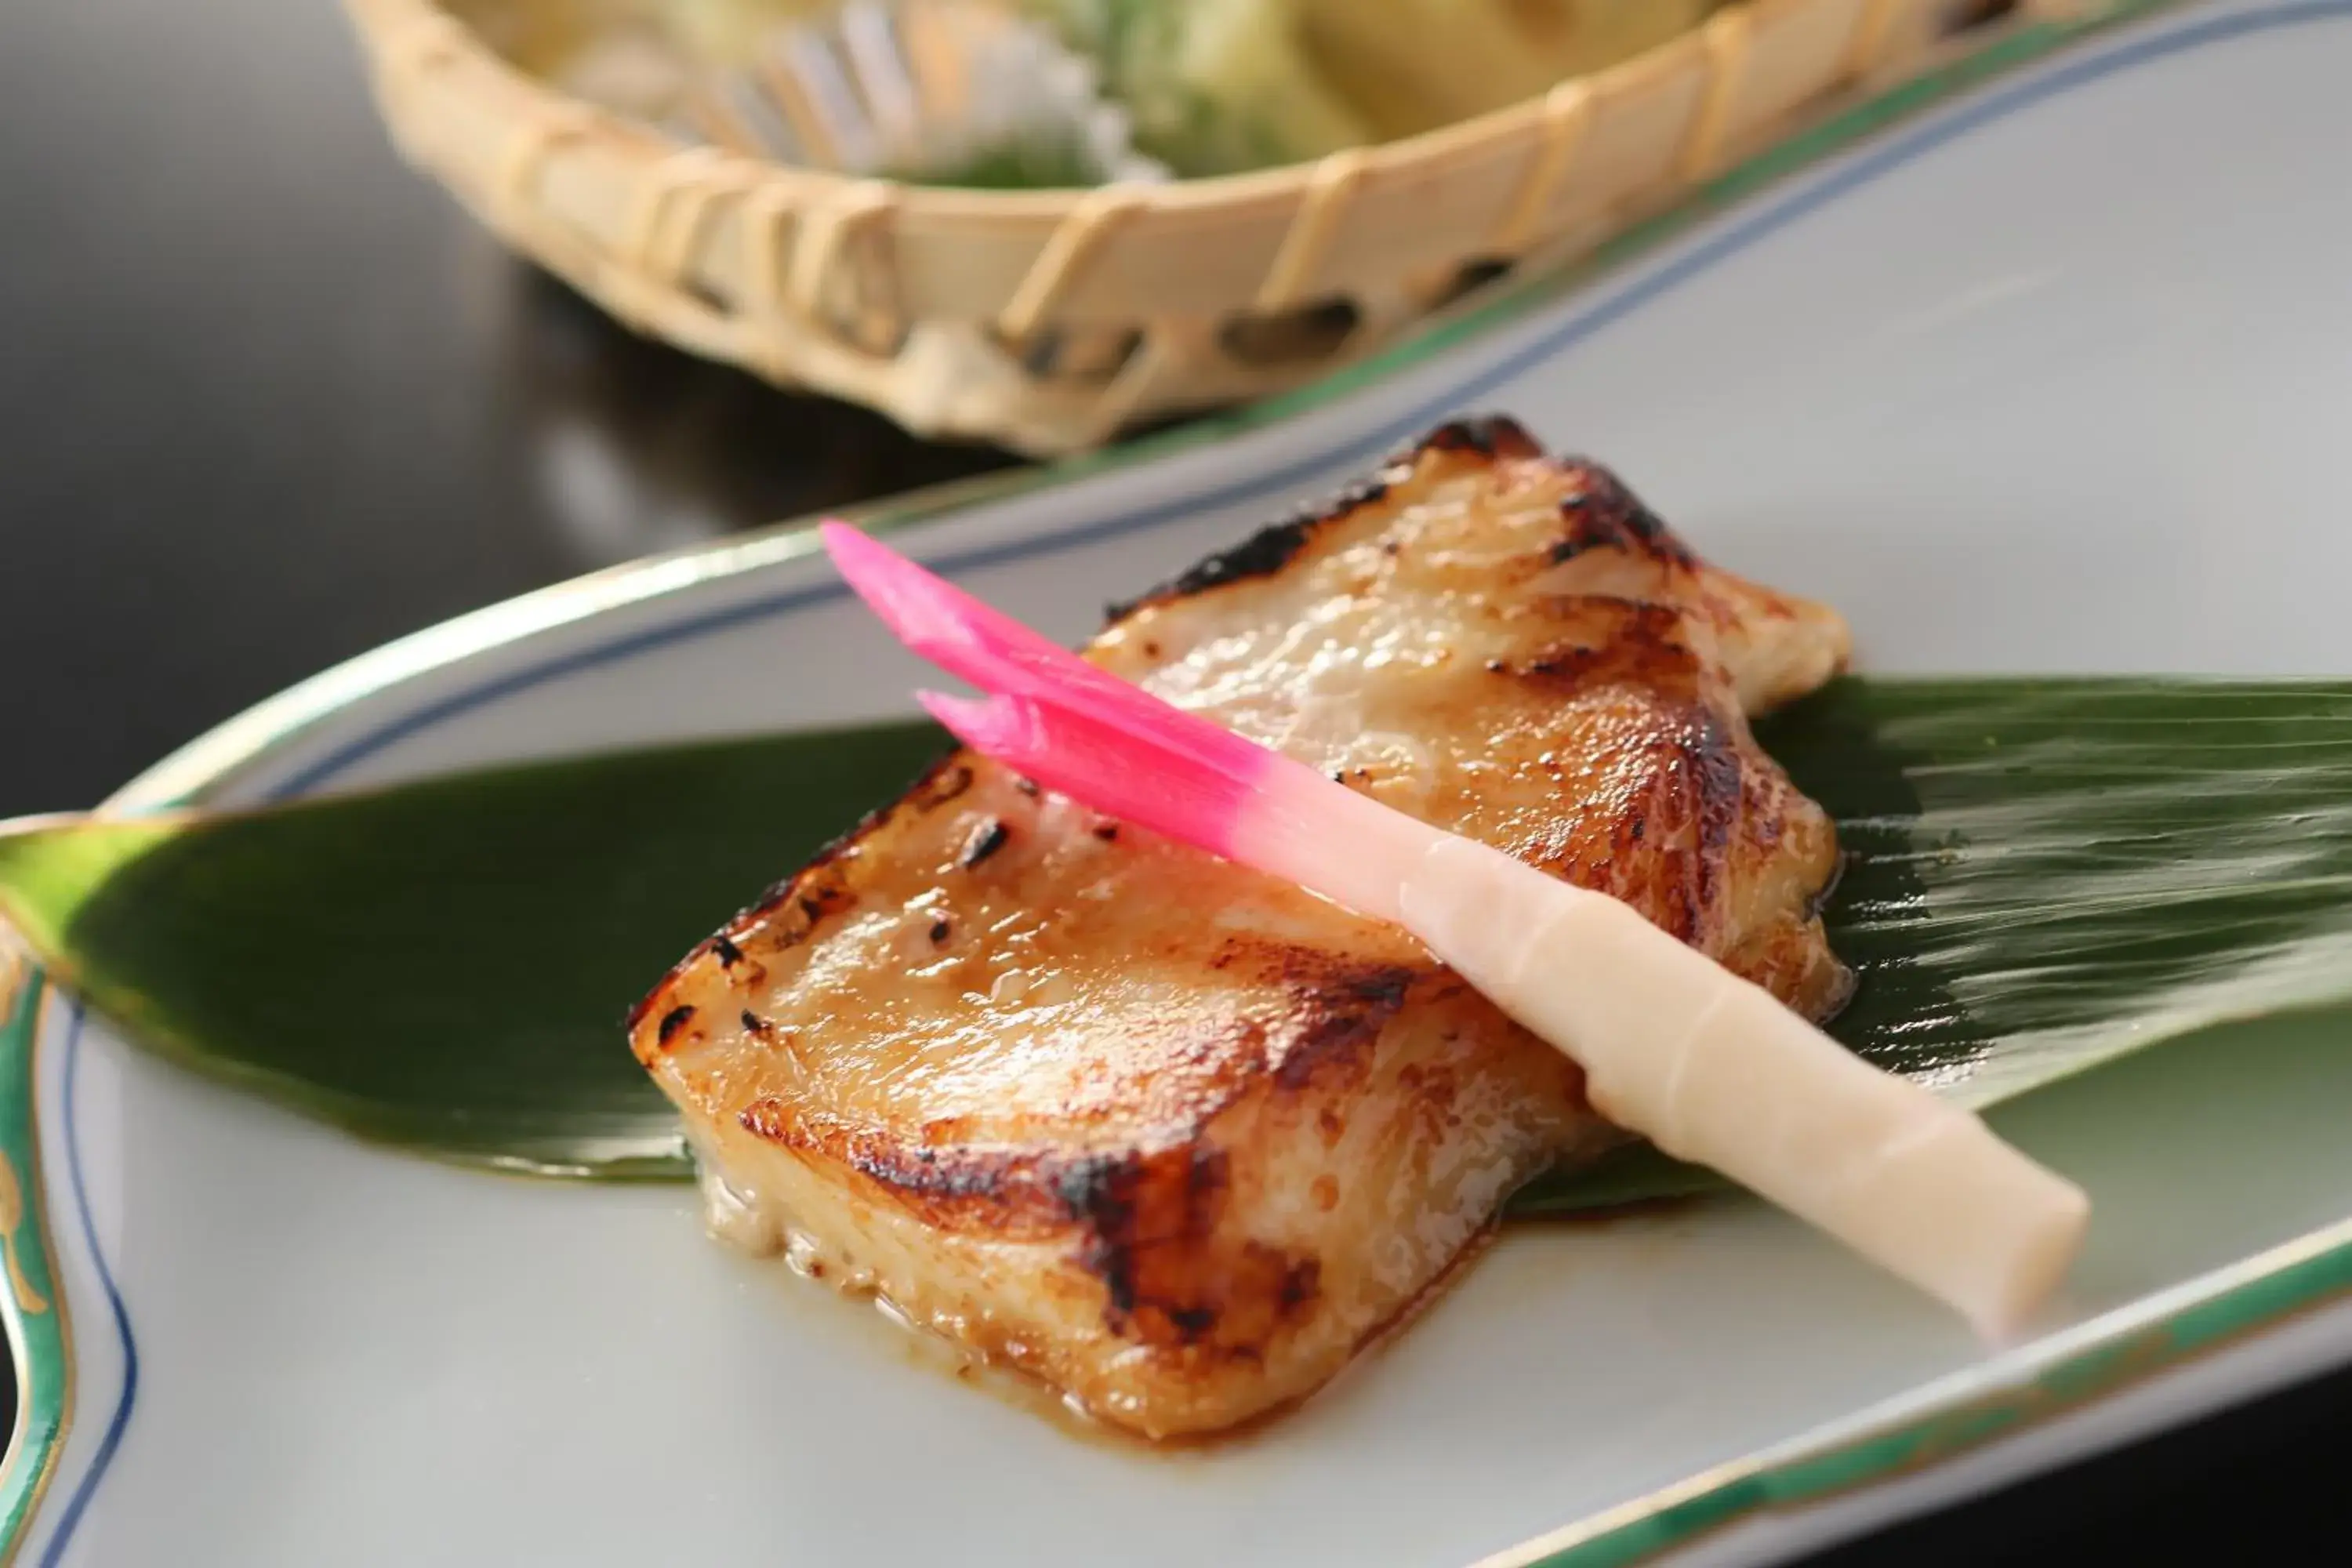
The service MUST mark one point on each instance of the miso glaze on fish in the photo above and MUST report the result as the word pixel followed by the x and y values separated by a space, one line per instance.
pixel 1179 1138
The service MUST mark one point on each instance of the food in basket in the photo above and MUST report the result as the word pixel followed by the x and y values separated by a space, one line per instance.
pixel 1219 86
pixel 950 92
pixel 1178 1136
pixel 1047 93
pixel 1215 87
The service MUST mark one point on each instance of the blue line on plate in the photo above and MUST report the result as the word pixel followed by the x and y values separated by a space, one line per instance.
pixel 122 1416
pixel 1610 308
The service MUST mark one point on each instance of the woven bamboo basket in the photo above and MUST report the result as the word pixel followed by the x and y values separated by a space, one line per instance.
pixel 1050 321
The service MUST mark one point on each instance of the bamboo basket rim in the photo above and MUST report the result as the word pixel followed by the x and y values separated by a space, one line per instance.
pixel 1186 192
pixel 1049 321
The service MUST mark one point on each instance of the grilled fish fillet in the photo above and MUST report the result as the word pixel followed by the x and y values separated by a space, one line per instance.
pixel 1179 1138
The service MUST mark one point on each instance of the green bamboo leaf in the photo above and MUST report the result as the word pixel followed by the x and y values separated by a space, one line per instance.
pixel 2046 875
pixel 443 967
pixel 2043 875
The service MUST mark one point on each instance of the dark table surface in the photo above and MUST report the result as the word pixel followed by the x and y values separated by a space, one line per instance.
pixel 266 399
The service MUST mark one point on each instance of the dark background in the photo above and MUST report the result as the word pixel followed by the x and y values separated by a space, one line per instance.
pixel 267 399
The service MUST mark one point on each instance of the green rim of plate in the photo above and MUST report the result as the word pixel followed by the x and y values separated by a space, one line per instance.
pixel 2253 1295
pixel 2078 1367
pixel 31 1305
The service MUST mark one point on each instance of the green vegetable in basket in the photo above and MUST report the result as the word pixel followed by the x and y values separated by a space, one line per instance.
pixel 1212 86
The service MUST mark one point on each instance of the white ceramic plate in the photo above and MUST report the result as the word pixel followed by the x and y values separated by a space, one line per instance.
pixel 2055 378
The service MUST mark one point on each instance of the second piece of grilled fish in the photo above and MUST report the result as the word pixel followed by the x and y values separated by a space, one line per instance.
pixel 1177 1137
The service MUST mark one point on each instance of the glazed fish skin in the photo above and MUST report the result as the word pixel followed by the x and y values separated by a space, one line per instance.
pixel 1180 1138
